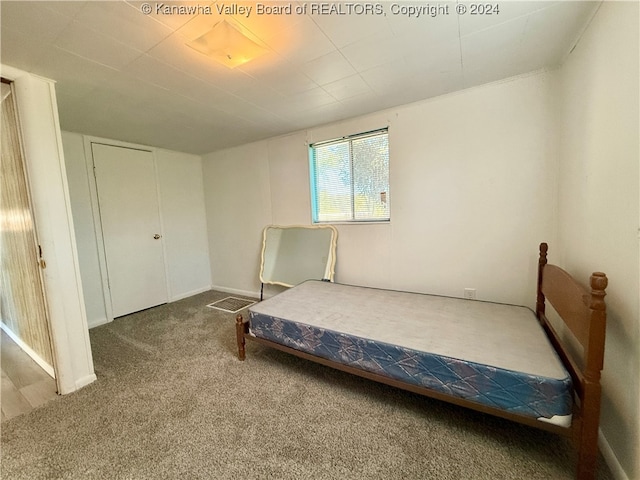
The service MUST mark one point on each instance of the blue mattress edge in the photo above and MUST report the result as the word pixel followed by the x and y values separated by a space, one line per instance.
pixel 510 391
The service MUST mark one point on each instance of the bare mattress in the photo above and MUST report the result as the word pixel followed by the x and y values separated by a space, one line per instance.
pixel 492 354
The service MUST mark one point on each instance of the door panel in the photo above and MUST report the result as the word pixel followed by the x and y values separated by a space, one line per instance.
pixel 131 229
pixel 22 300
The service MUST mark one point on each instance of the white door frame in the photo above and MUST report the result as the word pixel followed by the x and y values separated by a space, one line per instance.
pixel 40 288
pixel 95 210
pixel 44 158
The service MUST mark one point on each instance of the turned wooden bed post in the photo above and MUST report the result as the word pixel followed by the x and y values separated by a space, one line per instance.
pixel 542 261
pixel 240 331
pixel 594 360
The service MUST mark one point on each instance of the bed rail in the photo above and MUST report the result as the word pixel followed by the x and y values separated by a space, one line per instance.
pixel 584 315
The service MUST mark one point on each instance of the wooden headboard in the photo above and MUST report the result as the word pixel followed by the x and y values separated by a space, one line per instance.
pixel 584 314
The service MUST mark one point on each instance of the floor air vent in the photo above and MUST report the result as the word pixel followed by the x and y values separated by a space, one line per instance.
pixel 231 304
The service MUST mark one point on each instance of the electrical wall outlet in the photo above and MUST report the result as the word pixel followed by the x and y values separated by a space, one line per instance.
pixel 470 293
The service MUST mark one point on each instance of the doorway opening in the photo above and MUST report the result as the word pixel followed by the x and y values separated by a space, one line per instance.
pixel 23 307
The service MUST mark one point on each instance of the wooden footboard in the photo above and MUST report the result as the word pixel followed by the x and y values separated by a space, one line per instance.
pixel 583 314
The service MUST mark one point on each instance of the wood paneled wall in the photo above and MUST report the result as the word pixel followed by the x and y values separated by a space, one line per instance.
pixel 22 303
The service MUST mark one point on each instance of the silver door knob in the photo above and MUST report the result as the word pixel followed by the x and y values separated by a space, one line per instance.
pixel 156 236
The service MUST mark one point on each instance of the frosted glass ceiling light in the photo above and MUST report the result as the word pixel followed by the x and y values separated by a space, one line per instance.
pixel 226 44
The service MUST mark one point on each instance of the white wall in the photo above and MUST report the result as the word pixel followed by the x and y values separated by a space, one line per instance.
pixel 76 167
pixel 238 206
pixel 599 200
pixel 45 166
pixel 182 215
pixel 472 195
pixel 184 223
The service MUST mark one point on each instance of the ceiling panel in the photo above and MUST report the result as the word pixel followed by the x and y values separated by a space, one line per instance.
pixel 504 12
pixel 328 68
pixel 373 51
pixel 495 46
pixel 348 87
pixel 41 22
pixel 89 44
pixel 128 75
pixel 158 73
pixel 19 49
pixel 116 20
pixel 343 31
pixel 301 41
pixel 431 30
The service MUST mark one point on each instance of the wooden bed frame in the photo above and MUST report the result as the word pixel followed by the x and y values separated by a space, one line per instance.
pixel 584 315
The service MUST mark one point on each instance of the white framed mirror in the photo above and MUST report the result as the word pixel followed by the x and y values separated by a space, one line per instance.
pixel 295 253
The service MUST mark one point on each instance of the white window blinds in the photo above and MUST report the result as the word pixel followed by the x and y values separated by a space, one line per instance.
pixel 350 178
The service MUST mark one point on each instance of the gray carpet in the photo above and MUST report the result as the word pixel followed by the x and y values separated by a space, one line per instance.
pixel 173 401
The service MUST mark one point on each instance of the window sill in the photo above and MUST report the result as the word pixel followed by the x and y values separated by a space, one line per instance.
pixel 373 222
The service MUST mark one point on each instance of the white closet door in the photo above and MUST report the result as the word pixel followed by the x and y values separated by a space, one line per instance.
pixel 130 217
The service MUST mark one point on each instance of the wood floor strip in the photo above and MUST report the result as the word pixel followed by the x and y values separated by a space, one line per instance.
pixel 40 392
pixel 13 403
pixel 24 384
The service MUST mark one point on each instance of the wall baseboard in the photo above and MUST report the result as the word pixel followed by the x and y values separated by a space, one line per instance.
pixel 83 382
pixel 236 291
pixel 98 322
pixel 34 356
pixel 610 457
pixel 175 298
pixel 103 320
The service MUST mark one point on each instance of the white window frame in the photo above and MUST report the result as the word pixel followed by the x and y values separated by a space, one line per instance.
pixel 312 173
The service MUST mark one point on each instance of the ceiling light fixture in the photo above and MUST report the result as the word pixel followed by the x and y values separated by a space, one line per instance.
pixel 228 45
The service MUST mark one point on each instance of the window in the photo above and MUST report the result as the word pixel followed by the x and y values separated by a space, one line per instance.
pixel 350 178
